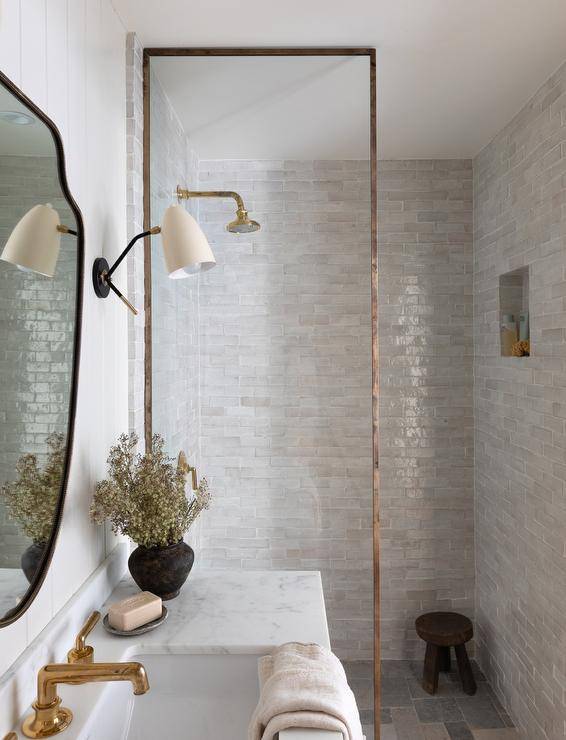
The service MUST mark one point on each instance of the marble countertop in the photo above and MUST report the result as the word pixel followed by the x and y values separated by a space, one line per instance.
pixel 228 612
pixel 222 612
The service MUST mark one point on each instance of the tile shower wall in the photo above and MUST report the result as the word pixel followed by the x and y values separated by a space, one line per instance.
pixel 175 303
pixel 32 331
pixel 426 414
pixel 286 381
pixel 135 224
pixel 175 310
pixel 520 412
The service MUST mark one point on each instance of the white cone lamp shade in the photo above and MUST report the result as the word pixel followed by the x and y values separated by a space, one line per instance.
pixel 185 247
pixel 35 241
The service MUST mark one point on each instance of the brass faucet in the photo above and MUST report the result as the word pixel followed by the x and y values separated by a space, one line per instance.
pixel 49 717
pixel 83 653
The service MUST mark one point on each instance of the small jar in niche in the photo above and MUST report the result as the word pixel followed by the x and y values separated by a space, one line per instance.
pixel 508 334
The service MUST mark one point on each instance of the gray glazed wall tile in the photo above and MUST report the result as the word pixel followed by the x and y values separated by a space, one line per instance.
pixel 285 338
pixel 426 406
pixel 520 416
pixel 135 224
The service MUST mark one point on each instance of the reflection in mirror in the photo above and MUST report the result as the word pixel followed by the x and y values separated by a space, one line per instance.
pixel 38 283
pixel 261 367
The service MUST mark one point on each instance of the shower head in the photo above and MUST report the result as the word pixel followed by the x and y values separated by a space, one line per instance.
pixel 242 224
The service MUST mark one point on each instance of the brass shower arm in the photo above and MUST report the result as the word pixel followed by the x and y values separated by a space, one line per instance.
pixel 183 194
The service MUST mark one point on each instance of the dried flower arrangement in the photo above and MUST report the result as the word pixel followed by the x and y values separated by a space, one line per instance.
pixel 31 499
pixel 144 496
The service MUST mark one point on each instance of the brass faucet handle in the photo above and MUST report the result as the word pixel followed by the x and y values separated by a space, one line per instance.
pixel 11 736
pixel 83 653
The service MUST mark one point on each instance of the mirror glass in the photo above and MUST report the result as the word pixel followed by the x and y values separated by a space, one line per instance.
pixel 37 354
pixel 261 366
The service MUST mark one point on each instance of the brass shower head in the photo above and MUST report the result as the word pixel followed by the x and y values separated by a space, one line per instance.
pixel 242 224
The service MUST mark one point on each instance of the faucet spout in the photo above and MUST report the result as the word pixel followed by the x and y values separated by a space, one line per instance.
pixel 49 716
pixel 55 673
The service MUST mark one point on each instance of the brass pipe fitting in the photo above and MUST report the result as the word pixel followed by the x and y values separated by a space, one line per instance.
pixel 184 194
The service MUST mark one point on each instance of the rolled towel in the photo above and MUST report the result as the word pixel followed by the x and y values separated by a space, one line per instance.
pixel 304 686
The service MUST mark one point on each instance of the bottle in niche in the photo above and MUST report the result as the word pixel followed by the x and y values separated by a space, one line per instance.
pixel 508 334
pixel 524 326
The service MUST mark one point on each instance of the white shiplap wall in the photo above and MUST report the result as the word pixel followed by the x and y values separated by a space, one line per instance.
pixel 69 57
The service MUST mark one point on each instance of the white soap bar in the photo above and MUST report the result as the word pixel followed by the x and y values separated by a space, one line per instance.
pixel 134 611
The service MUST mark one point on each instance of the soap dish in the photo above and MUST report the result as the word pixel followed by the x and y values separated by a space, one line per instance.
pixel 138 630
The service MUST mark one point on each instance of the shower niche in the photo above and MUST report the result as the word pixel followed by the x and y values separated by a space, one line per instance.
pixel 514 319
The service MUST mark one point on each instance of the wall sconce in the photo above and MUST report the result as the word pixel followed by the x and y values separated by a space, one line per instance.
pixel 34 244
pixel 185 248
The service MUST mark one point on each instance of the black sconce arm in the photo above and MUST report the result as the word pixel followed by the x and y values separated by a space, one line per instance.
pixel 102 272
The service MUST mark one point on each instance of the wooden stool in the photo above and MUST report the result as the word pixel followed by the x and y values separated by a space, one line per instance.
pixel 441 631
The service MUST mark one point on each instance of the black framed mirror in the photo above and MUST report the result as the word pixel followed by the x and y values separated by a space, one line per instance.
pixel 41 279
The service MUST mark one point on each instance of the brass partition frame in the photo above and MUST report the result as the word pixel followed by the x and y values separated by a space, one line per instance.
pixel 372 92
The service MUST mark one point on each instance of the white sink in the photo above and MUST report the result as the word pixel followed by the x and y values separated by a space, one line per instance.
pixel 194 697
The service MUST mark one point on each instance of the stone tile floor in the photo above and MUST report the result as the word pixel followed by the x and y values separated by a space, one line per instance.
pixel 360 678
pixel 409 713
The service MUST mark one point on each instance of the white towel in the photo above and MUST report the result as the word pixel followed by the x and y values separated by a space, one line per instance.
pixel 304 686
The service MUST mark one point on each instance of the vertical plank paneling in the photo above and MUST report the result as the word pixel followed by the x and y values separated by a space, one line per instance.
pixel 113 134
pixel 75 145
pixel 55 51
pixel 33 51
pixel 57 67
pixel 10 60
pixel 76 166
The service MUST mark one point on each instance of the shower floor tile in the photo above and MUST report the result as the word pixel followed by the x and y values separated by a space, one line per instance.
pixel 409 713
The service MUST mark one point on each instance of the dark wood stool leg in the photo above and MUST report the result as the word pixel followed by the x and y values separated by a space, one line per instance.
pixel 466 675
pixel 431 668
pixel 444 659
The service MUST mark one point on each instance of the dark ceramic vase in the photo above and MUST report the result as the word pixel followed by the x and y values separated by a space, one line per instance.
pixel 162 570
pixel 31 559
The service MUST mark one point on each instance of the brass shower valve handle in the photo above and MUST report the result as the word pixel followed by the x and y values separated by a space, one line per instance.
pixel 83 653
pixel 183 465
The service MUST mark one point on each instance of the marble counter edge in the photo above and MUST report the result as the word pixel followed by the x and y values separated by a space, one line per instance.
pixel 204 620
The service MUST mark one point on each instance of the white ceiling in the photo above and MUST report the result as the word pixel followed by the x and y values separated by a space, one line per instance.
pixel 271 108
pixel 451 73
pixel 34 140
